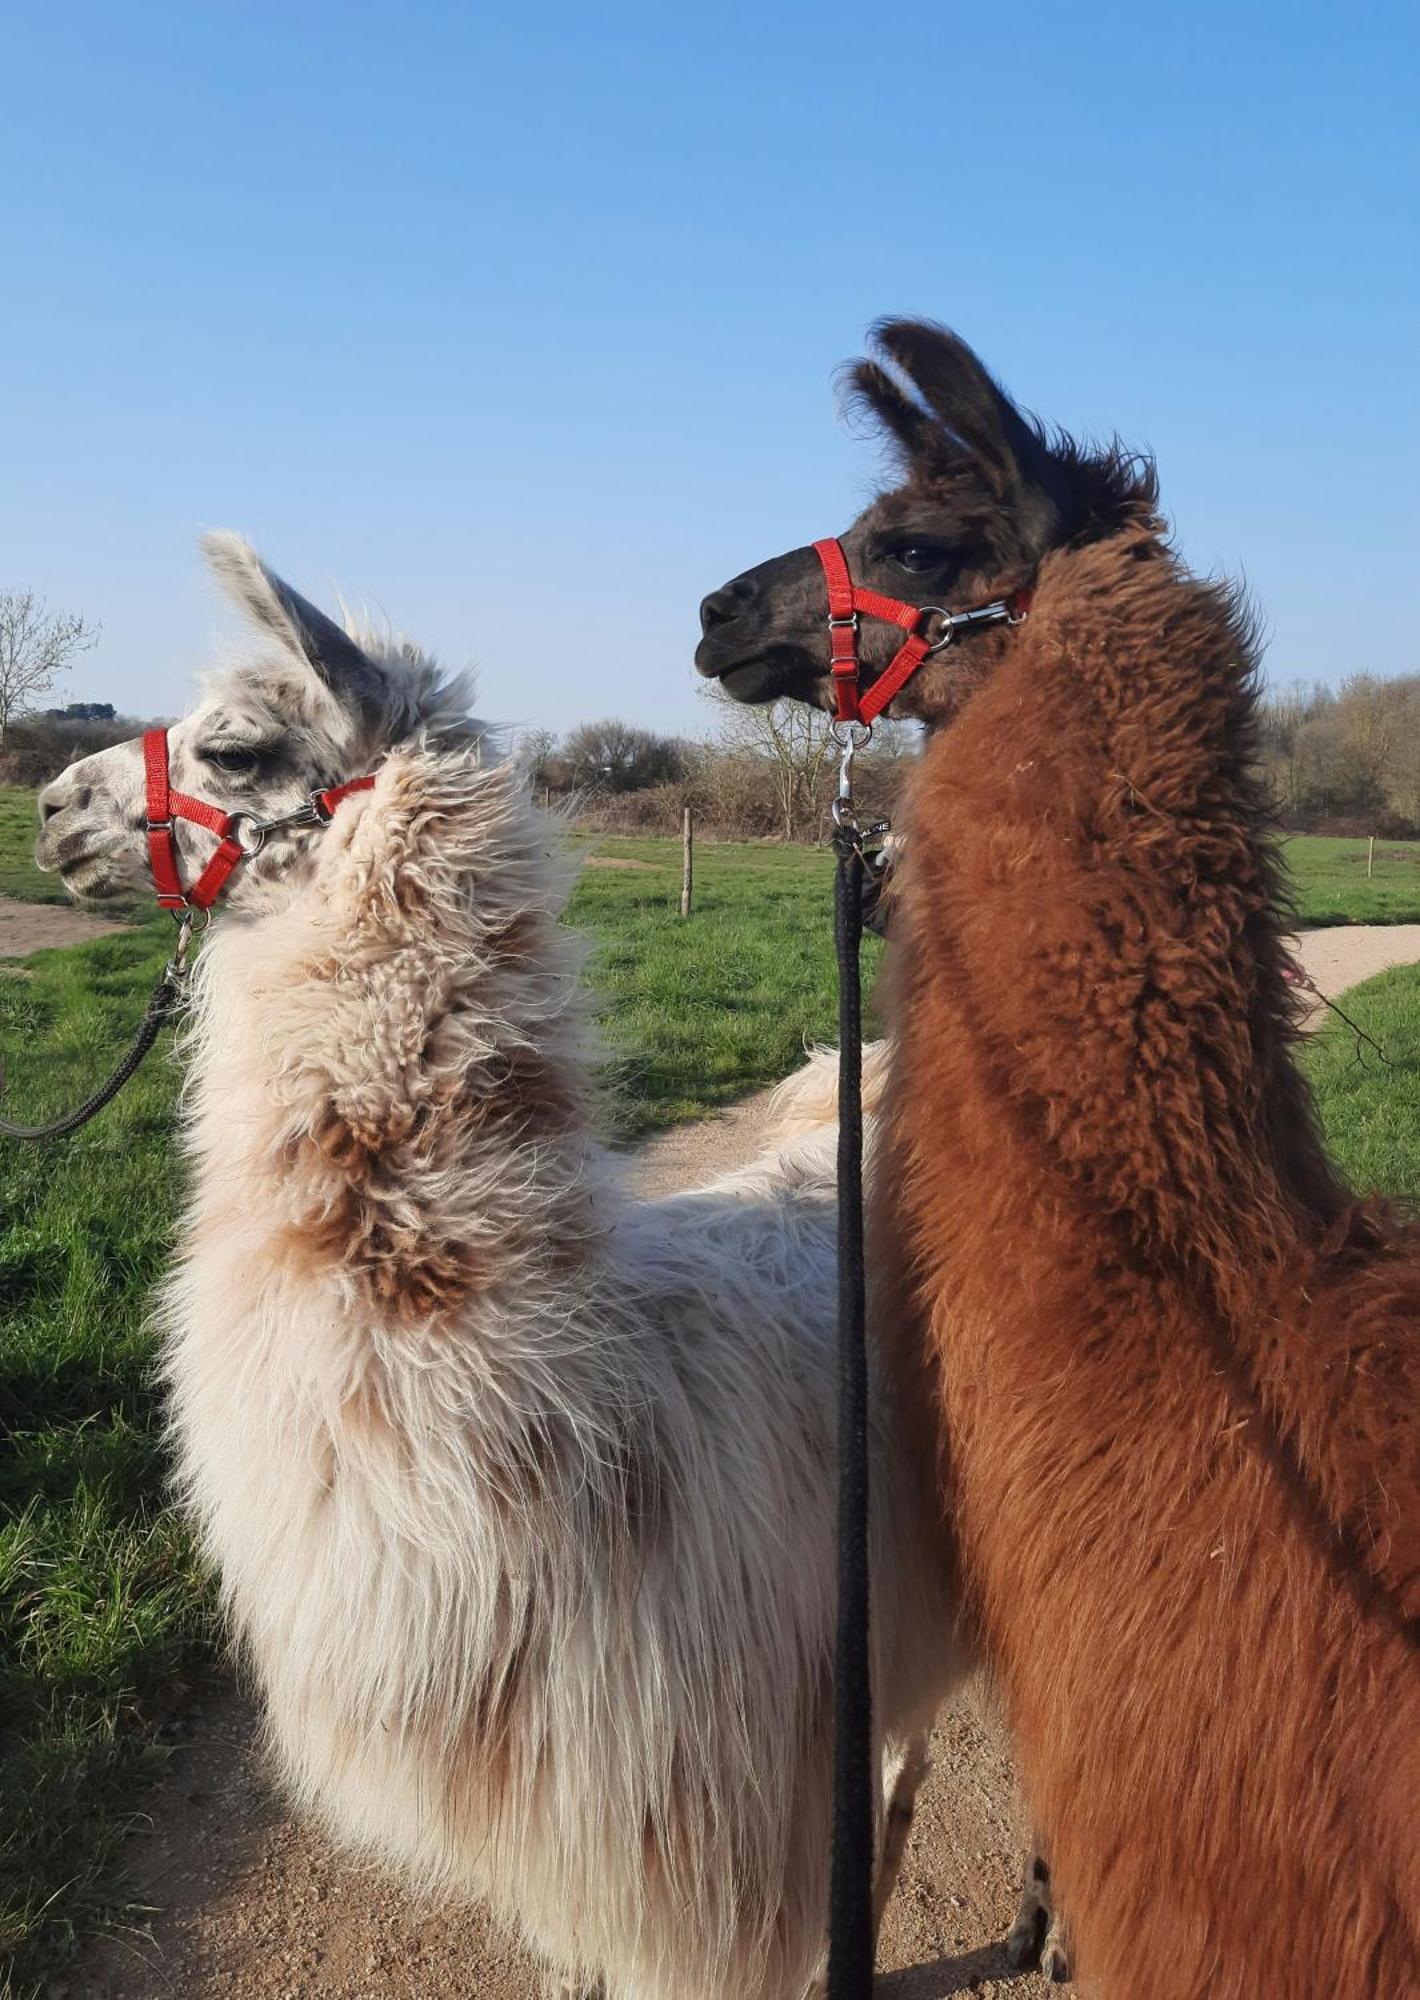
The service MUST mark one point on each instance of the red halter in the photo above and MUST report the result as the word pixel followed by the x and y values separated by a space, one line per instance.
pixel 240 835
pixel 847 600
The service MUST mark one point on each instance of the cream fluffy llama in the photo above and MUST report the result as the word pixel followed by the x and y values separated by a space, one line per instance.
pixel 520 1488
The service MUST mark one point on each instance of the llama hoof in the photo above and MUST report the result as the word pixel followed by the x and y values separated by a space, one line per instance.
pixel 1055 1956
pixel 1030 1935
pixel 1025 1941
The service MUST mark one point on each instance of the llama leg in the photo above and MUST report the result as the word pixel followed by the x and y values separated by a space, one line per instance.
pixel 897 1824
pixel 1037 1937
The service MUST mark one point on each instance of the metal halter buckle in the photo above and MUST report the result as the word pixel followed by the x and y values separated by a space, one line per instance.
pixel 851 737
pixel 312 813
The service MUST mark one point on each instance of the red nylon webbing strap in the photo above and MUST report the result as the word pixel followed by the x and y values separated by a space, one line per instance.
pixel 165 805
pixel 213 879
pixel 903 665
pixel 327 801
pixel 892 610
pixel 846 601
pixel 162 849
pixel 842 630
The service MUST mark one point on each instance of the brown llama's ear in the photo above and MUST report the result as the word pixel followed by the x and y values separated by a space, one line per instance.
pixel 976 413
pixel 350 674
pixel 874 389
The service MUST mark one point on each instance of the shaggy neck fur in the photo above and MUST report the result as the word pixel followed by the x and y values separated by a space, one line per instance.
pixel 1180 1415
pixel 520 1490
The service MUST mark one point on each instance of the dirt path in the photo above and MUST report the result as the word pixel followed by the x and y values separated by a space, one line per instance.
pixel 27 927
pixel 251 1905
pixel 1349 953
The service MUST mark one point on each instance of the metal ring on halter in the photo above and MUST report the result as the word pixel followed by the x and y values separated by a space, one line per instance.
pixel 948 626
pixel 851 742
pixel 254 839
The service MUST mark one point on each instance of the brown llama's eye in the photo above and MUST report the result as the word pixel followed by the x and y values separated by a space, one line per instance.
pixel 918 558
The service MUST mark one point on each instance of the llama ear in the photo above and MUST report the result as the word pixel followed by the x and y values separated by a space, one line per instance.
pixel 872 389
pixel 972 407
pixel 270 602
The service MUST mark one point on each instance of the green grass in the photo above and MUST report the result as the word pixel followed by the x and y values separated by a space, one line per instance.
pixel 101 1602
pixel 18 874
pixel 1371 1108
pixel 1330 884
pixel 104 1611
pixel 696 1014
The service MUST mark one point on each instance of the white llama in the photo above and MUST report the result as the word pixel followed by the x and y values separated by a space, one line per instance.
pixel 521 1490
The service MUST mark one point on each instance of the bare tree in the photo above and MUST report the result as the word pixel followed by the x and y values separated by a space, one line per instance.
pixel 534 755
pixel 794 742
pixel 794 747
pixel 36 647
pixel 616 756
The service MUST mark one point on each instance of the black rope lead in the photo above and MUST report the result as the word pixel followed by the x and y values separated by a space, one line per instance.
pixel 161 1002
pixel 852 1945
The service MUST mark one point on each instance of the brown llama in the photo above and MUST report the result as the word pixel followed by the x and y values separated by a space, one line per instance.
pixel 1175 1363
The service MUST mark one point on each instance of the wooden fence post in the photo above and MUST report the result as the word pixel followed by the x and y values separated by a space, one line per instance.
pixel 1371 858
pixel 687 842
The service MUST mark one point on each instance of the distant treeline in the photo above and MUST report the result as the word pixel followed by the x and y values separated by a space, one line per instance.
pixel 39 745
pixel 768 774
pixel 1343 760
pixel 1346 760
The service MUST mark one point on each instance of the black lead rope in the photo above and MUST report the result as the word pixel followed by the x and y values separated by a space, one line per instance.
pixel 161 1002
pixel 851 1949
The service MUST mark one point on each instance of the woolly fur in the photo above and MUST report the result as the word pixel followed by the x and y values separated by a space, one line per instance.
pixel 520 1490
pixel 1168 1367
pixel 1177 1366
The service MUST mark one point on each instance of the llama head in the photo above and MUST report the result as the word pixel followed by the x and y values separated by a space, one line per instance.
pixel 986 495
pixel 314 704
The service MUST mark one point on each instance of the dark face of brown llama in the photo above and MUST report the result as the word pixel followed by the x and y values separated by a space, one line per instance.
pixel 986 496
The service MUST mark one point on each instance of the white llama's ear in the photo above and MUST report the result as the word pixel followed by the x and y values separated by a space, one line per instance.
pixel 271 603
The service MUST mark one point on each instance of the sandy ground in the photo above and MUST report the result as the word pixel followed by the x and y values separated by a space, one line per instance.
pixel 247 1903
pixel 27 927
pixel 1349 953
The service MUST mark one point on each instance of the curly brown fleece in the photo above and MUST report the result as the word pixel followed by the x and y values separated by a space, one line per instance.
pixel 1168 1366
pixel 1179 1371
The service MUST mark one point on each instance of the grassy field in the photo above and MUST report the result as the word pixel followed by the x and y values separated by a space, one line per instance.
pixel 1370 1104
pixel 18 874
pixel 104 1613
pixel 696 1014
pixel 1331 887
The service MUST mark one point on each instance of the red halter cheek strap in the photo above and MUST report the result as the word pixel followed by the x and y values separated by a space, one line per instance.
pixel 233 845
pixel 847 601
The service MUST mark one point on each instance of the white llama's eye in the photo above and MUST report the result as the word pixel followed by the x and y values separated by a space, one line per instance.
pixel 233 758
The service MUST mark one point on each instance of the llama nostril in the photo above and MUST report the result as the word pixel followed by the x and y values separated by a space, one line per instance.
pixel 52 801
pixel 721 606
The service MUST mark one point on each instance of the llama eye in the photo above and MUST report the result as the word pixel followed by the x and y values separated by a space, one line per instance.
pixel 233 759
pixel 917 558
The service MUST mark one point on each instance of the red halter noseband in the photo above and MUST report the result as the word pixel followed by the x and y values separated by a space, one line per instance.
pixel 240 835
pixel 847 600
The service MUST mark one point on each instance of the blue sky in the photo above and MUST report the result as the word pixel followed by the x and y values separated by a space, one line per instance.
pixel 522 323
